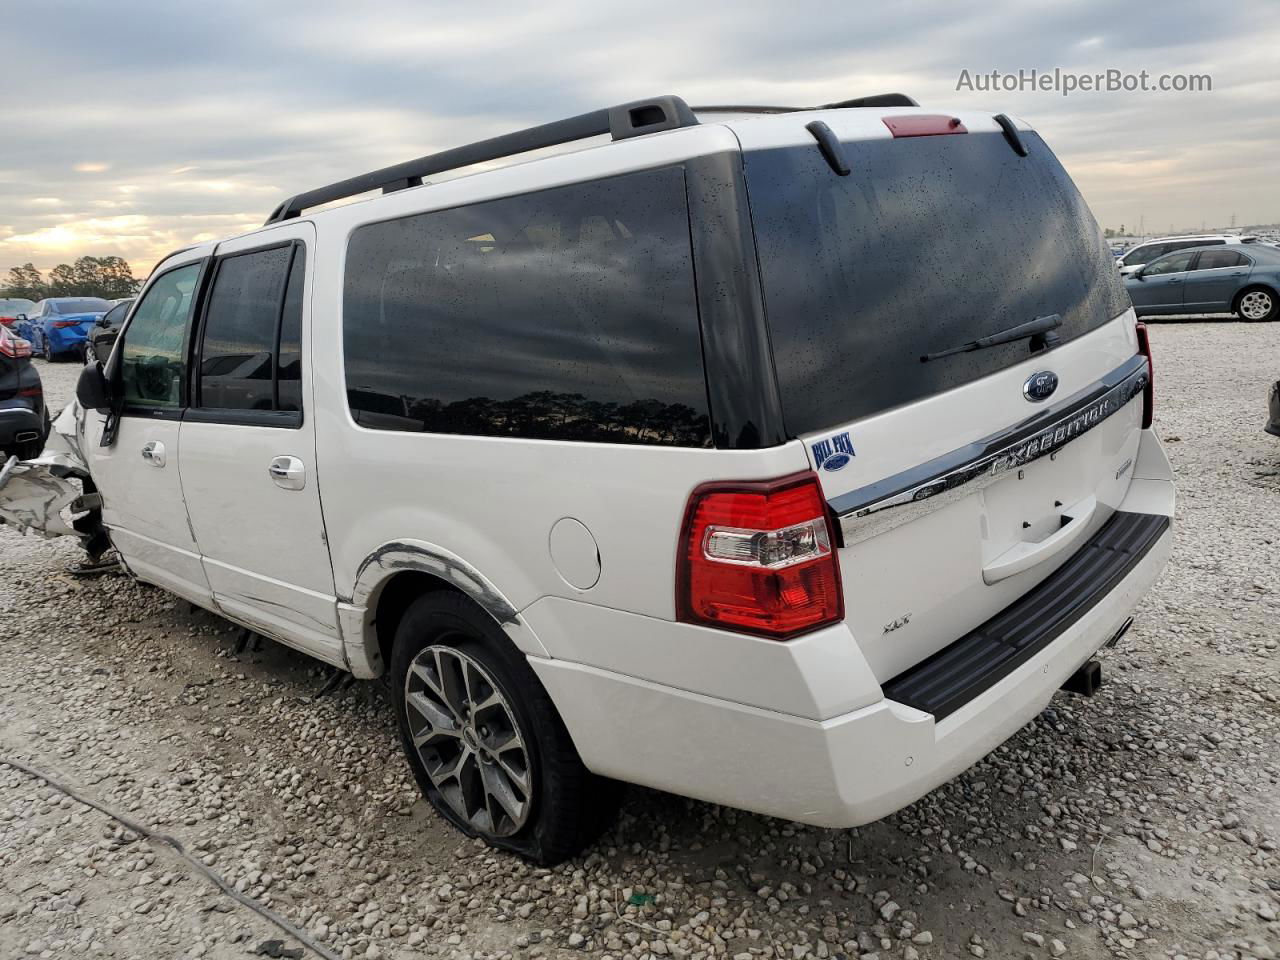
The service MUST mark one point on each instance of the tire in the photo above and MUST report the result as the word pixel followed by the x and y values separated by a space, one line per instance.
pixel 1257 305
pixel 87 354
pixel 515 745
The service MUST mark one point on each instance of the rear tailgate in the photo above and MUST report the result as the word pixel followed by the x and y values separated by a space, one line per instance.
pixel 945 521
pixel 963 480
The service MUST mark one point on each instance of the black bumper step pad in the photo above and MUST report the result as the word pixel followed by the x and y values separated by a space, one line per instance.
pixel 983 657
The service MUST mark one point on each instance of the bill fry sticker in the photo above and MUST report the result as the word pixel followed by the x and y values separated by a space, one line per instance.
pixel 833 453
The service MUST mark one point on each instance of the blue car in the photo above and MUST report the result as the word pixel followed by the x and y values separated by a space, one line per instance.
pixel 1238 278
pixel 57 327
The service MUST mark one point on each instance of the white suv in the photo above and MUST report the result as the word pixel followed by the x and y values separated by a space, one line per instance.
pixel 786 459
pixel 1147 251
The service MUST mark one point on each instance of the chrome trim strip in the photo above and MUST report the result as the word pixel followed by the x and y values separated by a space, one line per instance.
pixel 911 494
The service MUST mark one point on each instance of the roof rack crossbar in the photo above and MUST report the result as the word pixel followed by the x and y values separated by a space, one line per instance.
pixel 621 122
pixel 875 100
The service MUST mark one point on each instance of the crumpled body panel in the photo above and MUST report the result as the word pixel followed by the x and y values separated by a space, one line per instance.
pixel 41 495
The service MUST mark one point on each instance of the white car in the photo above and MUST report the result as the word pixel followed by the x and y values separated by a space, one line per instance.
pixel 1142 254
pixel 790 460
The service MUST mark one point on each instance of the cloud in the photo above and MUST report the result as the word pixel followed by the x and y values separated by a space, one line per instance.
pixel 226 109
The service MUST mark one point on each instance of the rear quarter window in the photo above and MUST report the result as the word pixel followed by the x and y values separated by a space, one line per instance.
pixel 566 314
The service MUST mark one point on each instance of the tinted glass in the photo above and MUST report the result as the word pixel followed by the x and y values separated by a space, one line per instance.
pixel 563 314
pixel 290 364
pixel 80 305
pixel 1213 259
pixel 931 243
pixel 153 359
pixel 115 316
pixel 1173 263
pixel 240 330
pixel 1146 254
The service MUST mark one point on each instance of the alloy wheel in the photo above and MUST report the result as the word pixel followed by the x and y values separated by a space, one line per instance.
pixel 1255 305
pixel 469 741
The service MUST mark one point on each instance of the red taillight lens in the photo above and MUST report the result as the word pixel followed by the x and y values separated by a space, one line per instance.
pixel 13 347
pixel 758 558
pixel 1149 394
pixel 31 392
pixel 66 323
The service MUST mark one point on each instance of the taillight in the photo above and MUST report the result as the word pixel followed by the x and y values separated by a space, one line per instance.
pixel 13 347
pixel 36 391
pixel 758 558
pixel 1149 394
pixel 66 323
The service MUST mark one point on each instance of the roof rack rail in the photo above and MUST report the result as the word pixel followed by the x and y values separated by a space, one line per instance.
pixel 626 120
pixel 875 100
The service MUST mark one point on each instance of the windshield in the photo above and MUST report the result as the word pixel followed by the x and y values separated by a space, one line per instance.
pixel 929 243
pixel 80 305
pixel 9 308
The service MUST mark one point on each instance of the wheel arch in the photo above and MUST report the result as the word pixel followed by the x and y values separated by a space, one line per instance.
pixel 391 577
pixel 1254 285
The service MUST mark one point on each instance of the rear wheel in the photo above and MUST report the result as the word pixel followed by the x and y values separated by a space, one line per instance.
pixel 483 738
pixel 87 353
pixel 1257 304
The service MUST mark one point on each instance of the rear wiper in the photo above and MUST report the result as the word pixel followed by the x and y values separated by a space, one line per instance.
pixel 1038 328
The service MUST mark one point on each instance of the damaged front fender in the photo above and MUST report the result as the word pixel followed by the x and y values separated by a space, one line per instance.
pixel 54 495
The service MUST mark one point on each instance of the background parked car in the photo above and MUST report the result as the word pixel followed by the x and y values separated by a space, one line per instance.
pixel 1150 250
pixel 103 333
pixel 1273 418
pixel 24 421
pixel 1211 279
pixel 58 326
pixel 13 308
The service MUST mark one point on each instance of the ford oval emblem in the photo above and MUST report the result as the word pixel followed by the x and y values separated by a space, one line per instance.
pixel 1040 386
pixel 837 461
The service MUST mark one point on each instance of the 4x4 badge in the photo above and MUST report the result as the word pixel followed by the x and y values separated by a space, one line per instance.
pixel 833 453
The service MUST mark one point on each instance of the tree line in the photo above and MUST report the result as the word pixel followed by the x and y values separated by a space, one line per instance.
pixel 106 277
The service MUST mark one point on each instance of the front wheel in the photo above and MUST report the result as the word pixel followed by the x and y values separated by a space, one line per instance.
pixel 1257 304
pixel 484 740
pixel 87 353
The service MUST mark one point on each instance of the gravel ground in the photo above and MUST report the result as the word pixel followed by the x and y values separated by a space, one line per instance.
pixel 1140 823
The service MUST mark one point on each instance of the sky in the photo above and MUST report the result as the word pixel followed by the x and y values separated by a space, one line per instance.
pixel 136 127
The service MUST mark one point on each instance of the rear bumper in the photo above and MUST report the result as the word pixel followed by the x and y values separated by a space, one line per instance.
pixel 853 767
pixel 64 339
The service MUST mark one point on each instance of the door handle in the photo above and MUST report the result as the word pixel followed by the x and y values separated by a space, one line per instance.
pixel 288 473
pixel 153 453
pixel 1024 556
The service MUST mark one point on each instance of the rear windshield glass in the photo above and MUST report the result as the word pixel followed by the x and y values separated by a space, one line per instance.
pixel 929 243
pixel 83 305
pixel 8 307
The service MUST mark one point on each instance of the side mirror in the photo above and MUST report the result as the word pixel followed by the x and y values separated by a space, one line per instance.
pixel 21 318
pixel 100 322
pixel 92 390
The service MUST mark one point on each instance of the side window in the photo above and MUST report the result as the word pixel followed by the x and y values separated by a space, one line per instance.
pixel 1214 259
pixel 1174 263
pixel 243 346
pixel 152 361
pixel 568 313
pixel 290 366
pixel 1146 254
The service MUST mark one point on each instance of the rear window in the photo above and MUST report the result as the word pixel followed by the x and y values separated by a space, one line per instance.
pixel 929 243
pixel 83 305
pixel 563 314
